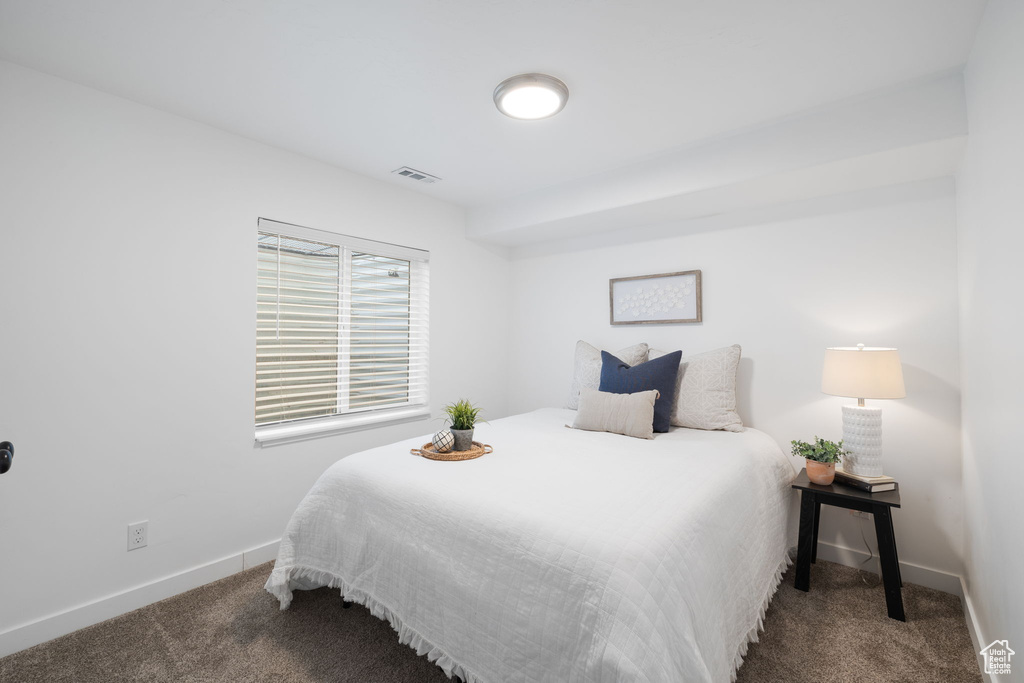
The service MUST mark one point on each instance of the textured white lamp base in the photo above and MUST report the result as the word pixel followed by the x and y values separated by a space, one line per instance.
pixel 862 440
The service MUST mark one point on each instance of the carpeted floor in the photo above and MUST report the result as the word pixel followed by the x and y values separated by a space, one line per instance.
pixel 839 631
pixel 232 630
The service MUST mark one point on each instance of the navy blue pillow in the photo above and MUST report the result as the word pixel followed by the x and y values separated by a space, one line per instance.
pixel 618 378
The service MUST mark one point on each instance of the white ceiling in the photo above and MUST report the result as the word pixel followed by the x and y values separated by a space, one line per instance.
pixel 374 85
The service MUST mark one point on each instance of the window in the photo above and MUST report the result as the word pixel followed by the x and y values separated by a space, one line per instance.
pixel 341 332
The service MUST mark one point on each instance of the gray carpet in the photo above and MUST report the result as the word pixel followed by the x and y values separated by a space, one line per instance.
pixel 839 631
pixel 231 630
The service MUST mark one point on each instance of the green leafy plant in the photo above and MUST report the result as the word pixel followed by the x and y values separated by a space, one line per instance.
pixel 462 414
pixel 819 451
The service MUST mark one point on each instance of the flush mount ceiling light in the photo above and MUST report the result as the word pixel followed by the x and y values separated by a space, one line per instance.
pixel 531 96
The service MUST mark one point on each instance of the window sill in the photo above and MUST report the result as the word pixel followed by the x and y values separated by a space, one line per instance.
pixel 279 434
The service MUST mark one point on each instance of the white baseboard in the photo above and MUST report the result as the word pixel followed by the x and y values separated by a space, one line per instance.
pixel 911 573
pixel 47 628
pixel 974 629
pixel 257 556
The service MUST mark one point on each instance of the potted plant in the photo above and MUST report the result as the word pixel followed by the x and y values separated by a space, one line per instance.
pixel 462 417
pixel 821 457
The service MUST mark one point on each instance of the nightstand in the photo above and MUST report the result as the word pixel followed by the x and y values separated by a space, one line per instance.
pixel 813 496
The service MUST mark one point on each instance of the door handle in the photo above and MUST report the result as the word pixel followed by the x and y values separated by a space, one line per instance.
pixel 6 456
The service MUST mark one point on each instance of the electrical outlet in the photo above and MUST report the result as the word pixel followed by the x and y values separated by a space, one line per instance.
pixel 861 514
pixel 138 535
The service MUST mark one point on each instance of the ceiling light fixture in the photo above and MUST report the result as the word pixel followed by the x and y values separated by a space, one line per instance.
pixel 531 96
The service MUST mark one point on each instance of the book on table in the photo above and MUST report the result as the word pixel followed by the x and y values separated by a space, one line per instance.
pixel 869 484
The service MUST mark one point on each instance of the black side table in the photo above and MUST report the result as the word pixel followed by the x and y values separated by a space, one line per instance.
pixel 813 496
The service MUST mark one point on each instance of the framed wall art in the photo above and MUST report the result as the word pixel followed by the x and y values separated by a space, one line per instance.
pixel 655 299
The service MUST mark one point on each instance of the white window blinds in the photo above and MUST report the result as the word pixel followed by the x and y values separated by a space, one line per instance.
pixel 341 328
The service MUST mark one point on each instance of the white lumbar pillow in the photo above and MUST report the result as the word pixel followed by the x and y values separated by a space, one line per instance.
pixel 587 367
pixel 706 390
pixel 626 414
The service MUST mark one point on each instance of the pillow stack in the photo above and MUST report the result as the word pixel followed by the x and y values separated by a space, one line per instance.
pixel 613 393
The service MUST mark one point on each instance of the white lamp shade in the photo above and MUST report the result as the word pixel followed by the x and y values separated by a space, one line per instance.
pixel 863 372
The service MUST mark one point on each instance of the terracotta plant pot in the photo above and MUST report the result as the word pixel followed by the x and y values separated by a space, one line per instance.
pixel 820 472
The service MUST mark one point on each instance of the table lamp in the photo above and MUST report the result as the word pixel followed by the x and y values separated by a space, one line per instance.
pixel 862 372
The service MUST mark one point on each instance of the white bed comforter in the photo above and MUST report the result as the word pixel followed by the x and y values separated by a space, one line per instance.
pixel 563 556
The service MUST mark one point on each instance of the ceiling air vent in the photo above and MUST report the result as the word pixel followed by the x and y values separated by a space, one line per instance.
pixel 416 175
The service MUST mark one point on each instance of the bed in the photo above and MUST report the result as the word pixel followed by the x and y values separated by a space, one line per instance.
pixel 564 555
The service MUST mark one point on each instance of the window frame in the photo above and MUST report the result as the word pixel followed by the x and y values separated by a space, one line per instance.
pixel 301 429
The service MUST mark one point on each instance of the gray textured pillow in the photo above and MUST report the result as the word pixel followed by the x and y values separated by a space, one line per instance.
pixel 706 390
pixel 587 367
pixel 627 414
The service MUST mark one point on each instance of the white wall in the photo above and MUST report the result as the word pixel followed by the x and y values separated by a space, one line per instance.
pixel 990 207
pixel 127 301
pixel 786 290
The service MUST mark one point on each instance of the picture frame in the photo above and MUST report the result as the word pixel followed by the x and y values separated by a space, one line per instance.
pixel 657 299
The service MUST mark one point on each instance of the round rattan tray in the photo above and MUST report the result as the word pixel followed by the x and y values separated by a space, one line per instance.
pixel 428 451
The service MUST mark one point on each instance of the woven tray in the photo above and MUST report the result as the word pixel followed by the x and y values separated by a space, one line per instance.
pixel 476 451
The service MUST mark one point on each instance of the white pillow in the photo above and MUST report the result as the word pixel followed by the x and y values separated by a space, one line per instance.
pixel 587 367
pixel 706 390
pixel 626 414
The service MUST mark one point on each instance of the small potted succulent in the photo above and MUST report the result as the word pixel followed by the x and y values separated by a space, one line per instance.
pixel 462 416
pixel 821 457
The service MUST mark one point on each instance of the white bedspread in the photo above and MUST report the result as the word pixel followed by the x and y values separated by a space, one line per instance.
pixel 563 556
